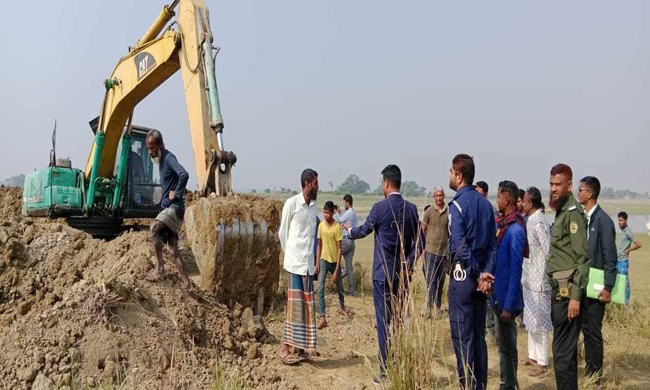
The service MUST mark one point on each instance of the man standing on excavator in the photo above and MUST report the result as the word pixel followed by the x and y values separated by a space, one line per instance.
pixel 167 226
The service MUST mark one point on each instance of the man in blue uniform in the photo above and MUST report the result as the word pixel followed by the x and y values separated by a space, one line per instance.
pixel 473 241
pixel 396 225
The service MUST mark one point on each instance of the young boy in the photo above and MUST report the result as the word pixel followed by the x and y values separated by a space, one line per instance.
pixel 330 236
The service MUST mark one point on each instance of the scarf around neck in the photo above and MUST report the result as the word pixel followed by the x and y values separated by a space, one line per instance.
pixel 508 220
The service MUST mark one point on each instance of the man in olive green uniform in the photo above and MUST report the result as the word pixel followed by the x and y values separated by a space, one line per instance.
pixel 568 271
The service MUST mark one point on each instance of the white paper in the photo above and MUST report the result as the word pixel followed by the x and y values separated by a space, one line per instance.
pixel 598 287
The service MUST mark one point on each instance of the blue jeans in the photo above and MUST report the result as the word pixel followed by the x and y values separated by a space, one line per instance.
pixel 434 275
pixel 348 247
pixel 325 267
pixel 623 268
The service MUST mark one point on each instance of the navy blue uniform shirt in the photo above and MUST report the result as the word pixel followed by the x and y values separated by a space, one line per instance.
pixel 473 234
pixel 173 177
pixel 388 218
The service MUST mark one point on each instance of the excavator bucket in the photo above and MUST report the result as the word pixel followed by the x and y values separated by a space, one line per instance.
pixel 235 243
pixel 234 238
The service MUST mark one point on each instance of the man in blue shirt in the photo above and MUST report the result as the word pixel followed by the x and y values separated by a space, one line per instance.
pixel 167 226
pixel 395 223
pixel 507 298
pixel 349 217
pixel 473 241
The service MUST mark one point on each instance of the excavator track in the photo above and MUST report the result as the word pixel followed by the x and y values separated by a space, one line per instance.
pixel 99 227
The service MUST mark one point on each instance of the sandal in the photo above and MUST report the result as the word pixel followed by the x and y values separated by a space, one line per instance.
pixel 528 362
pixel 289 358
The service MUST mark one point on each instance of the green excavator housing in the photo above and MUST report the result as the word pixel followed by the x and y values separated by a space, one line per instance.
pixel 53 190
pixel 134 191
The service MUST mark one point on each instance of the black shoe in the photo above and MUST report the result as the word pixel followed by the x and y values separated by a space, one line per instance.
pixel 379 380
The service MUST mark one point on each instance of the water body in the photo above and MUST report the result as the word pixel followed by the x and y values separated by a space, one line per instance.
pixel 636 222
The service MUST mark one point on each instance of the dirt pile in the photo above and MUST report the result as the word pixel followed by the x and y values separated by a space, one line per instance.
pixel 78 311
pixel 235 241
pixel 10 202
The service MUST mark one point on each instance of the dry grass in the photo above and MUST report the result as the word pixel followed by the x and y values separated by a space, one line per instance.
pixel 228 380
pixel 418 356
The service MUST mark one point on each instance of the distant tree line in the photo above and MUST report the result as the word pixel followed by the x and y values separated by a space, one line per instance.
pixel 14 181
pixel 610 193
pixel 355 186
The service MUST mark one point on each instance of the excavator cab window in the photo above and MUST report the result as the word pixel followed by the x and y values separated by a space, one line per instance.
pixel 144 192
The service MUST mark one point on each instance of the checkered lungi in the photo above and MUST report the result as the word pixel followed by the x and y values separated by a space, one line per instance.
pixel 171 219
pixel 300 326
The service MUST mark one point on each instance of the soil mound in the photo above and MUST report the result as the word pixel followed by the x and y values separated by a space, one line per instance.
pixel 77 311
pixel 10 202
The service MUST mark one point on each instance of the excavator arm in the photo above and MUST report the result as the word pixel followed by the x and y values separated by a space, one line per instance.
pixel 153 60
pixel 234 239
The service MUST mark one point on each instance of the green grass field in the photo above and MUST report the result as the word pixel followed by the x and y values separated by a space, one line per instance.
pixel 363 203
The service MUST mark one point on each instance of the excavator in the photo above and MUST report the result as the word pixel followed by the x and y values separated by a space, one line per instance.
pixel 235 243
pixel 98 198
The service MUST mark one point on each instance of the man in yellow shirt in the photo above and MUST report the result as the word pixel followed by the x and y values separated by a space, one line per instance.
pixel 330 236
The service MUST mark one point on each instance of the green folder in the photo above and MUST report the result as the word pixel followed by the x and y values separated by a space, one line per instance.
pixel 597 283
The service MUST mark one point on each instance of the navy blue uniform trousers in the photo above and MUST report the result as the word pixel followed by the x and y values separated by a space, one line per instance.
pixel 467 309
pixel 385 296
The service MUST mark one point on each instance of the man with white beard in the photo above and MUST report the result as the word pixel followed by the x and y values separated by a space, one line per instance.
pixel 167 226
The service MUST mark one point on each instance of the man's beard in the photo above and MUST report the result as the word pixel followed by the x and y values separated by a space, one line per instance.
pixel 156 158
pixel 313 194
pixel 557 204
pixel 452 185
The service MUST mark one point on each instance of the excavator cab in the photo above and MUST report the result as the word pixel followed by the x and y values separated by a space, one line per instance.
pixel 143 193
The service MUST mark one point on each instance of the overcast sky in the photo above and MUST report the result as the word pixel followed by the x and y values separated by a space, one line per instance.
pixel 351 86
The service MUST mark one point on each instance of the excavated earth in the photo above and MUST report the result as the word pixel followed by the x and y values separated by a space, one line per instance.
pixel 77 312
pixel 235 241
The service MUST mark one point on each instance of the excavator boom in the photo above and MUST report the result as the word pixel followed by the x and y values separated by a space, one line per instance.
pixel 148 65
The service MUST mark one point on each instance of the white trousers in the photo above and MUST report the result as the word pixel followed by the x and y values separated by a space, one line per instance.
pixel 538 347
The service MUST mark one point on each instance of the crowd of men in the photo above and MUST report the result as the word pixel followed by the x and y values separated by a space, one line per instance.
pixel 508 259
pixel 502 263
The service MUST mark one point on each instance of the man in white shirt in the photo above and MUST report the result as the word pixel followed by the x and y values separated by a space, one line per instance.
pixel 535 285
pixel 297 240
pixel 337 213
pixel 350 219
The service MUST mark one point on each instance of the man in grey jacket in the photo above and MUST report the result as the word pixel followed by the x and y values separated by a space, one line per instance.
pixel 601 243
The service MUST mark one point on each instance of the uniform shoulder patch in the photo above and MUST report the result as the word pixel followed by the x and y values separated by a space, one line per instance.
pixel 572 208
pixel 573 227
